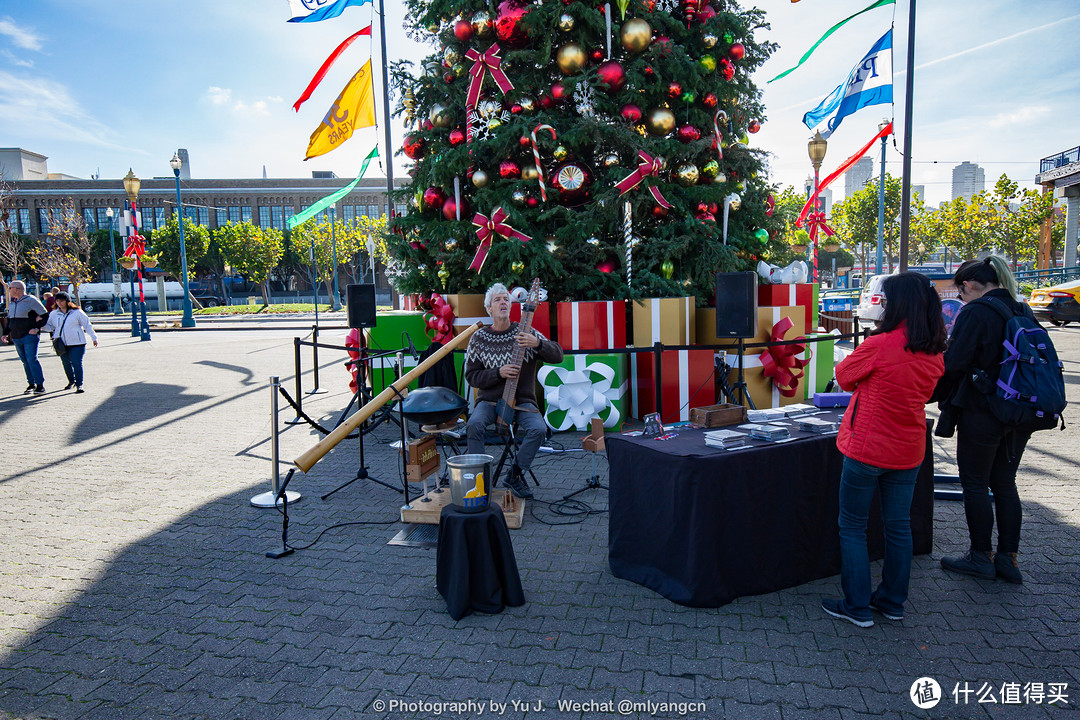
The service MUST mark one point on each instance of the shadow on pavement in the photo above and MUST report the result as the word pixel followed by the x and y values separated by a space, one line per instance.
pixel 131 404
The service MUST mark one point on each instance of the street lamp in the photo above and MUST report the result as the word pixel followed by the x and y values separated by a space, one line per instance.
pixel 189 319
pixel 881 202
pixel 816 148
pixel 112 251
pixel 131 187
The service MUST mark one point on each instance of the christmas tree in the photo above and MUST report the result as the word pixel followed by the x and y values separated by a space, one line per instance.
pixel 579 144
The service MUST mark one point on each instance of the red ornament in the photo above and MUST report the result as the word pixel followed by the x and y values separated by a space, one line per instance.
pixel 688 134
pixel 573 181
pixel 663 43
pixel 607 266
pixel 463 30
pixel 434 198
pixel 706 14
pixel 709 100
pixel 729 71
pixel 457 137
pixel 597 55
pixel 449 209
pixel 515 109
pixel 558 92
pixel 612 76
pixel 649 72
pixel 524 141
pixel 532 201
pixel 674 89
pixel 659 211
pixel 754 126
pixel 649 5
pixel 426 125
pixel 508 27
pixel 414 147
pixel 545 101
pixel 509 170
pixel 630 113
pixel 737 51
pixel 449 78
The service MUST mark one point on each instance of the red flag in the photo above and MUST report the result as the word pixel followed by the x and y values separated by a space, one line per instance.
pixel 812 202
pixel 326 66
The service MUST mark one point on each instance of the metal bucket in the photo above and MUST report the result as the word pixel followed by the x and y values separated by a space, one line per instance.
pixel 470 481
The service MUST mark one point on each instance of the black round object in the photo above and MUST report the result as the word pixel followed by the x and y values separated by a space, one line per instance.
pixel 433 405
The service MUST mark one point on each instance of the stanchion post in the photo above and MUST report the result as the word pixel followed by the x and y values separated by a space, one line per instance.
pixel 315 358
pixel 299 388
pixel 269 499
pixel 658 377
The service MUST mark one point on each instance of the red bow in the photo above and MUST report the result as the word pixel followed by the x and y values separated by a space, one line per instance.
pixel 489 227
pixel 783 363
pixel 648 167
pixel 485 63
pixel 136 247
pixel 816 220
pixel 440 321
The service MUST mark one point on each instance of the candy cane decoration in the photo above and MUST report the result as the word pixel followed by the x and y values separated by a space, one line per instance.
pixel 719 138
pixel 628 236
pixel 536 157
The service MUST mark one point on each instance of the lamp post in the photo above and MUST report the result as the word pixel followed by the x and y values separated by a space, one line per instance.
pixel 881 203
pixel 816 148
pixel 142 329
pixel 189 319
pixel 336 305
pixel 112 251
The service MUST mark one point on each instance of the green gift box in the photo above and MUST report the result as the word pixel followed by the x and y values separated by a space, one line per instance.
pixel 383 376
pixel 582 387
pixel 386 335
pixel 822 366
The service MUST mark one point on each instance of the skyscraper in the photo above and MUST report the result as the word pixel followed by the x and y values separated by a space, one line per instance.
pixel 858 176
pixel 967 179
pixel 825 196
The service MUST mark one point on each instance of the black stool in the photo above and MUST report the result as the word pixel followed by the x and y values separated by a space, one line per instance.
pixel 475 566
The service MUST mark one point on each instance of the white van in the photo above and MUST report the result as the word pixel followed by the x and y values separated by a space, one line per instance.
pixel 98 297
pixel 872 302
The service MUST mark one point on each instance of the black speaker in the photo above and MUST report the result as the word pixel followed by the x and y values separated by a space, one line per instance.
pixel 360 305
pixel 736 305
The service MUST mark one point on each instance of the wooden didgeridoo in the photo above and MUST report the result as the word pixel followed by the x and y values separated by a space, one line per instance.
pixel 316 453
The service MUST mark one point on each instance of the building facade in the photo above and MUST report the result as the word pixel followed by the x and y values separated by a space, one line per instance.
pixel 967 180
pixel 856 178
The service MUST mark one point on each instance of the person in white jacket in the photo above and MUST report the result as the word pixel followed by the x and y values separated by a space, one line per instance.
pixel 69 324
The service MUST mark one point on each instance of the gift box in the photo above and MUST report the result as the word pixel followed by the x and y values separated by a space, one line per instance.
pixel 687 378
pixel 805 295
pixel 821 365
pixel 409 302
pixel 389 326
pixel 597 325
pixel 468 309
pixel 670 321
pixel 541 317
pixel 762 389
pixel 583 387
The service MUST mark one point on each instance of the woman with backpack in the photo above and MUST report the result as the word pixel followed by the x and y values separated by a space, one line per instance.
pixel 987 451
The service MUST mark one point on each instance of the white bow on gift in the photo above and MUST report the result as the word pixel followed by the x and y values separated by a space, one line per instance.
pixel 576 396
pixel 796 272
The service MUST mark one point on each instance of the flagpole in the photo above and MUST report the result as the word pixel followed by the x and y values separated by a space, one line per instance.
pixel 905 197
pixel 386 120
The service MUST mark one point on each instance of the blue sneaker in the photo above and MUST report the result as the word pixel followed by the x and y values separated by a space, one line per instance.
pixel 887 614
pixel 837 609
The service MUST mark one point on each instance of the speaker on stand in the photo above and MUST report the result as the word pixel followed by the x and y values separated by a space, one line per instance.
pixel 360 305
pixel 736 318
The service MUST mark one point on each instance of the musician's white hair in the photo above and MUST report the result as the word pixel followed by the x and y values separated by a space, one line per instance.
pixel 491 293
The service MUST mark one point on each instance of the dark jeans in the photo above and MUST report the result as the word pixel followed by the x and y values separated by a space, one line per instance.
pixel 531 424
pixel 27 348
pixel 987 456
pixel 72 361
pixel 858 481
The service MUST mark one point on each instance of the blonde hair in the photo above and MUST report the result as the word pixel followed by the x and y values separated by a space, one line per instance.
pixel 1005 277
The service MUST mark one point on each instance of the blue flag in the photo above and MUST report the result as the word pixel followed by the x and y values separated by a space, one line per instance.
pixel 316 10
pixel 868 83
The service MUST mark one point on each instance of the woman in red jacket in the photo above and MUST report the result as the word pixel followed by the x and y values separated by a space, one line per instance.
pixel 883 439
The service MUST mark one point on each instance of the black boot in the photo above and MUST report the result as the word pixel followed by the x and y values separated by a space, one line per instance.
pixel 1007 568
pixel 973 562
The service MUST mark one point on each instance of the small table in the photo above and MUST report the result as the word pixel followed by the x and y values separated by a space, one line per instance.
pixel 475 567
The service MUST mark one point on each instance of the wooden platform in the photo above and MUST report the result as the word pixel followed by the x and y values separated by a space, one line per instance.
pixel 429 512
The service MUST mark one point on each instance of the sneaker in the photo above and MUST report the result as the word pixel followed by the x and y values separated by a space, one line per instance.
pixel 973 562
pixel 29 389
pixel 518 486
pixel 837 609
pixel 69 386
pixel 887 614
pixel 39 390
pixel 1007 568
pixel 78 389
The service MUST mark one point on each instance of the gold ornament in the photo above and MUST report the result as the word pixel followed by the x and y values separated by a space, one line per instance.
pixel 660 122
pixel 480 178
pixel 518 197
pixel 481 23
pixel 494 123
pixel 734 201
pixel 529 172
pixel 518 267
pixel 686 174
pixel 566 22
pixel 560 153
pixel 444 275
pixel 527 103
pixel 440 116
pixel 710 41
pixel 707 63
pixel 711 169
pixel 458 69
pixel 636 35
pixel 570 58
pixel 409 102
pixel 451 55
pixel 611 160
pixel 687 283
pixel 488 107
pixel 450 244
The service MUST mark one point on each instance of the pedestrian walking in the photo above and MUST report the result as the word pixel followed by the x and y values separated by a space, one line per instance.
pixel 69 326
pixel 26 315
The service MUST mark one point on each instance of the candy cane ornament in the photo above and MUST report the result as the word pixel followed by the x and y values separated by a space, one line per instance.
pixel 536 157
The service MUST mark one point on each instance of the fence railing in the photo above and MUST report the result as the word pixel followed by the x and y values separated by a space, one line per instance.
pixel 1049 276
pixel 1055 161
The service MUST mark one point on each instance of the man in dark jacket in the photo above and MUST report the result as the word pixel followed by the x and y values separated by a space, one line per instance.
pixel 26 315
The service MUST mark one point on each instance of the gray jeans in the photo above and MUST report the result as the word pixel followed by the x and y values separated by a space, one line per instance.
pixel 530 427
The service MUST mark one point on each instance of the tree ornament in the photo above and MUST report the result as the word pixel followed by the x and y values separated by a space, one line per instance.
pixel 728 38
pixel 706 14
pixel 688 97
pixel 690 9
pixel 636 34
pixel 494 123
pixel 440 116
pixel 612 76
pixel 463 30
pixel 597 55
pixel 444 275
pixel 480 178
pixel 481 23
pixel 517 267
pixel 409 101
pixel 611 160
pixel 449 209
pixel 518 197
pixel 734 201
pixel 720 178
pixel 450 244
pixel 762 235
pixel 711 170
pixel 527 103
pixel 524 141
pixel 728 71
pixel 659 211
pixel 594 241
pixel 531 201
pixel 688 283
pixel 572 180
pixel 686 174
pixel 737 52
pixel 426 125
pixel 709 41
pixel 449 78
pixel 688 134
pixel 488 107
pixel 607 266
pixel 630 113
pixel 508 27
pixel 558 92
pixel 660 122
pixel 649 72
pixel 674 90
pixel 433 28
pixel 457 136
pixel 509 170
pixel 667 269
pixel 707 63
pixel 552 246
pixel 560 153
pixel 433 199
pixel 754 126
pixel 722 117
pixel 450 55
pixel 709 100
pixel 663 44
pixel 414 146
pixel 704 213
pixel 566 22
pixel 530 173
pixel 571 58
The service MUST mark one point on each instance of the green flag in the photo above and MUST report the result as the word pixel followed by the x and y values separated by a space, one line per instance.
pixel 333 197
pixel 830 31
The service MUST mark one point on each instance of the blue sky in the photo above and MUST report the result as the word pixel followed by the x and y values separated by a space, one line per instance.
pixel 104 86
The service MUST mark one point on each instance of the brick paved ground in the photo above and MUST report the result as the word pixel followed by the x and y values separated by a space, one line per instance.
pixel 133 582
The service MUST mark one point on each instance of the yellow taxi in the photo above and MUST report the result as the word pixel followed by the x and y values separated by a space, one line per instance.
pixel 1060 304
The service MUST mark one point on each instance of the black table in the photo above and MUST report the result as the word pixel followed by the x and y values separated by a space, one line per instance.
pixel 703 526
pixel 475 568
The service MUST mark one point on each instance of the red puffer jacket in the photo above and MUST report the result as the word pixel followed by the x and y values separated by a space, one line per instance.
pixel 885 423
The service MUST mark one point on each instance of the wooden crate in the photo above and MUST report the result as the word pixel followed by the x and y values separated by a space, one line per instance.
pixel 423 458
pixel 428 513
pixel 712 416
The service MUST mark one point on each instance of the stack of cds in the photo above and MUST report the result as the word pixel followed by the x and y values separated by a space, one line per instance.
pixel 724 439
pixel 798 409
pixel 814 425
pixel 772 433
pixel 766 415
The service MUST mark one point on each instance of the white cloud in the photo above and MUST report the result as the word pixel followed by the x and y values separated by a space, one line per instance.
pixel 15 59
pixel 1026 114
pixel 276 99
pixel 46 109
pixel 217 95
pixel 22 37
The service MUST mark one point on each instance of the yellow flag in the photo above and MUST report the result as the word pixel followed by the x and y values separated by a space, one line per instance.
pixel 354 108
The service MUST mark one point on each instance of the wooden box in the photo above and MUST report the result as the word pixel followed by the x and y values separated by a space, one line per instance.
pixel 422 458
pixel 718 415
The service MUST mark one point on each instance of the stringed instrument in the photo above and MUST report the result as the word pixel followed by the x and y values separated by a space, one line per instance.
pixel 505 407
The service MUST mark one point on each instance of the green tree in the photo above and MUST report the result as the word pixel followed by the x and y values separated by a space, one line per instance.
pixel 964 225
pixel 369 233
pixel 855 220
pixel 319 230
pixel 166 243
pixel 252 251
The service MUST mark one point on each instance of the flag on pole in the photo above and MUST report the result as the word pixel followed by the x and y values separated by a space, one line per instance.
pixel 316 10
pixel 326 66
pixel 333 197
pixel 354 108
pixel 830 31
pixel 844 167
pixel 868 83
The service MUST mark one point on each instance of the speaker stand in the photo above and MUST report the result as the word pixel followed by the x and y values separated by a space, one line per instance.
pixel 739 388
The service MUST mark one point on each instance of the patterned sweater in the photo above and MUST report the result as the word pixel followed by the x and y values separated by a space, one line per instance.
pixel 489 350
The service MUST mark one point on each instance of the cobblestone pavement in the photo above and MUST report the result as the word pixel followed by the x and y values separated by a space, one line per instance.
pixel 133 582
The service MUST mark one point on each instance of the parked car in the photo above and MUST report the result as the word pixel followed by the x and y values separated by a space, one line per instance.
pixel 208 300
pixel 1058 304
pixel 871 298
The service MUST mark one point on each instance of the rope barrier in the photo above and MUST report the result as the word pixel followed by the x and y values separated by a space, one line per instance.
pixel 303 416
